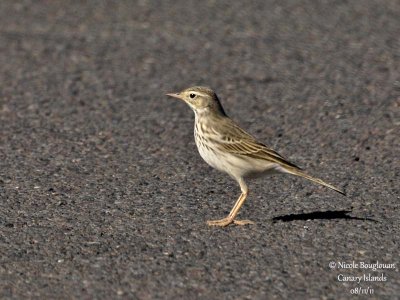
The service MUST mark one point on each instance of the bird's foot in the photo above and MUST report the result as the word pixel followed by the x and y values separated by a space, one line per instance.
pixel 228 220
pixel 243 222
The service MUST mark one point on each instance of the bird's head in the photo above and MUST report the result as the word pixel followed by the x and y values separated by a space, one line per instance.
pixel 200 99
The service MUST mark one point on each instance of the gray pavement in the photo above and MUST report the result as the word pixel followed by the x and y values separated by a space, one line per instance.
pixel 103 194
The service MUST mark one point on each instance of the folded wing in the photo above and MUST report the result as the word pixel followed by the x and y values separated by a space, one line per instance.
pixel 231 138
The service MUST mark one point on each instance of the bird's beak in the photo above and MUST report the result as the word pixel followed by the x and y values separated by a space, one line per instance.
pixel 175 95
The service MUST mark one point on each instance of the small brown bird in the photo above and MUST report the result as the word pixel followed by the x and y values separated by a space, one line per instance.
pixel 228 148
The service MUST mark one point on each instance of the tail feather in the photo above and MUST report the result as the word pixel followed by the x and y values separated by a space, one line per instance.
pixel 300 173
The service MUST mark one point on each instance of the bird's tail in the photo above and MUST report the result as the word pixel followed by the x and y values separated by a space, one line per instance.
pixel 300 173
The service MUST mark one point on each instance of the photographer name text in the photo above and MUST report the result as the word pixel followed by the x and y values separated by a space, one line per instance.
pixel 362 265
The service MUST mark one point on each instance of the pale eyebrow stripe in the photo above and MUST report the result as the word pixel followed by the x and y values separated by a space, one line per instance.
pixel 199 93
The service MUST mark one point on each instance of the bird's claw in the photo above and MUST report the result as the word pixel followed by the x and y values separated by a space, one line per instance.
pixel 227 221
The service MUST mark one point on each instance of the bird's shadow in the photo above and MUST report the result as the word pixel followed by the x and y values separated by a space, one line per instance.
pixel 321 215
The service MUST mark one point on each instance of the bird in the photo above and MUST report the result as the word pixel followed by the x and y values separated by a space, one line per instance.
pixel 225 146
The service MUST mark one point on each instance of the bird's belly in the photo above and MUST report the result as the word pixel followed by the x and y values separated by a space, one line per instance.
pixel 235 165
pixel 212 158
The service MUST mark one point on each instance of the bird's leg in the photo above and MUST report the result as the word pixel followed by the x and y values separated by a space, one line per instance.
pixel 235 210
pixel 231 217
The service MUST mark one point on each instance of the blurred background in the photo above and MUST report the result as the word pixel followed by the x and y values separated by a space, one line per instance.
pixel 103 193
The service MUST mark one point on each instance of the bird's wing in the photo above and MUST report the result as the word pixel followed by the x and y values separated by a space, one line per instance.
pixel 231 138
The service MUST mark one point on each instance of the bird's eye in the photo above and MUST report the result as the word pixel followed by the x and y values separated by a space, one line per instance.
pixel 192 95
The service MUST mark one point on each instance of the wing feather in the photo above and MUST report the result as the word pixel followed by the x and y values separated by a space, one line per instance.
pixel 231 138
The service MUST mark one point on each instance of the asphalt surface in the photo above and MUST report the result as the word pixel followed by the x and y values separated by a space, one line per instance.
pixel 103 194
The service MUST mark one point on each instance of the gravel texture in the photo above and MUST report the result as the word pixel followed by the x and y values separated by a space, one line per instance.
pixel 103 194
